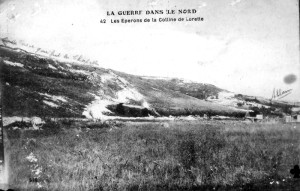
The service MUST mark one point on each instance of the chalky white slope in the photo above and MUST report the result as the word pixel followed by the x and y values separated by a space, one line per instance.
pixel 45 87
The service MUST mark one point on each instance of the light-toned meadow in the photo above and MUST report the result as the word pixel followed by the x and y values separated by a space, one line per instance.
pixel 214 155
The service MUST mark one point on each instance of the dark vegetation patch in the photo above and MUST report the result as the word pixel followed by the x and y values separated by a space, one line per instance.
pixel 275 107
pixel 22 87
pixel 131 110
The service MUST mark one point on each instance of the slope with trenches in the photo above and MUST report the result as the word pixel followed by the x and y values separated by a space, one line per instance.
pixel 194 89
pixel 172 96
pixel 40 86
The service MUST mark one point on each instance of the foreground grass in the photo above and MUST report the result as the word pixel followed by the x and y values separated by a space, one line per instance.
pixel 149 156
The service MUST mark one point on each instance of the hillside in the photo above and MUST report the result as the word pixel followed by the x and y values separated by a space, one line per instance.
pixel 39 86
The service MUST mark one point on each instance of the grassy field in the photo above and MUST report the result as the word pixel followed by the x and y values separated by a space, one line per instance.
pixel 209 155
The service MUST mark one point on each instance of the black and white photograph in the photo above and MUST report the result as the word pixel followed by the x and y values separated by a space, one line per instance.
pixel 100 95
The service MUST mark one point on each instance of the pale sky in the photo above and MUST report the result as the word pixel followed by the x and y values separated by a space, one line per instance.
pixel 245 46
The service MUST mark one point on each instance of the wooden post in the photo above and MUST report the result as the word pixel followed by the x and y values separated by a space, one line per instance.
pixel 1 142
pixel 1 122
pixel 2 162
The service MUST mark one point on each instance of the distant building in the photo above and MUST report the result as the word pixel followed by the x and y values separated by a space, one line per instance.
pixel 259 116
pixel 288 119
pixel 292 118
pixel 296 118
pixel 254 117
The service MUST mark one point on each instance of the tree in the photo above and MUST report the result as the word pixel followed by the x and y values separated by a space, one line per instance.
pixel 287 109
pixel 239 104
pixel 120 109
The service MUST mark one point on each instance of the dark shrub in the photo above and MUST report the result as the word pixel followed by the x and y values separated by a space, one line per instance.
pixel 120 109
